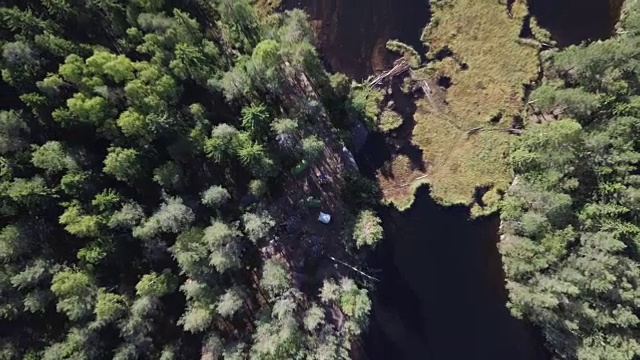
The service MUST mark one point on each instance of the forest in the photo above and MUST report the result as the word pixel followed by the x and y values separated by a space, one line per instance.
pixel 153 156
pixel 571 243
pixel 165 164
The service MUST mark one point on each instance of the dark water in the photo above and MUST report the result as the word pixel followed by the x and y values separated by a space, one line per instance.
pixel 441 294
pixel 573 21
pixel 352 34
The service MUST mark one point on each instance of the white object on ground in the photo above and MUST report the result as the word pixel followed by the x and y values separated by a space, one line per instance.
pixel 325 218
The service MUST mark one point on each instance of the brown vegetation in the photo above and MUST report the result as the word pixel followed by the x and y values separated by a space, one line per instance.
pixel 483 68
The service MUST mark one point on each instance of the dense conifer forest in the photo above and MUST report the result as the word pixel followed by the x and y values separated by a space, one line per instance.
pixel 149 153
pixel 571 248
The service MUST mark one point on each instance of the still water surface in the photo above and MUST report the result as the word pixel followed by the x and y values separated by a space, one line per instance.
pixel 441 294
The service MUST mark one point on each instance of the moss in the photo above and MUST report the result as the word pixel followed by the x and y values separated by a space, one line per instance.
pixel 475 44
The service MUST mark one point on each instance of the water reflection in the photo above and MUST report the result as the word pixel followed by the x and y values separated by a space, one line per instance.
pixel 441 294
pixel 573 21
pixel 352 34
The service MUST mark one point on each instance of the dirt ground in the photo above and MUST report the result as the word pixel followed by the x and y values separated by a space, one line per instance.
pixel 303 241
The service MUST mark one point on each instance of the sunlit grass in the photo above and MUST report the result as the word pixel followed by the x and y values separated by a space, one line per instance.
pixel 399 179
pixel 487 70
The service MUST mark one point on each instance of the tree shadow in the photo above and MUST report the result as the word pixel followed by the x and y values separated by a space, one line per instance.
pixel 415 155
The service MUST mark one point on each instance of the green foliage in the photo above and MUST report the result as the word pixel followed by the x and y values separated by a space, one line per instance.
pixel 574 102
pixel 156 284
pixel 355 303
pixel 257 188
pixel 409 53
pixel 128 216
pixel 284 126
pixel 222 240
pixel 123 164
pixel 359 191
pixel 215 196
pixel 223 143
pixel 570 246
pixel 12 130
pixel 75 292
pixel 13 243
pixel 52 157
pixel 169 175
pixel 109 307
pixel 257 225
pixel 551 150
pixel 368 229
pixel 312 148
pixel 255 119
pixel 229 303
pixel 365 103
pixel 314 317
pixel 390 120
pixel 125 114
pixel 107 200
pixel 80 224
pixel 196 319
pixel 266 59
pixel 255 157
pixel 134 124
pixel 20 62
pixel 172 217
pixel 275 278
pixel 28 192
pixel 85 109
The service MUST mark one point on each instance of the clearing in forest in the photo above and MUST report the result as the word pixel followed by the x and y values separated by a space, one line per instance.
pixel 481 66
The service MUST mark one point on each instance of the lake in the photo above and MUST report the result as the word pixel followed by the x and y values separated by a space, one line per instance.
pixel 441 294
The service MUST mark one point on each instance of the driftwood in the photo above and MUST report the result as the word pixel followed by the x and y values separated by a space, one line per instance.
pixel 482 128
pixel 400 66
pixel 352 268
pixel 424 85
pixel 409 183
